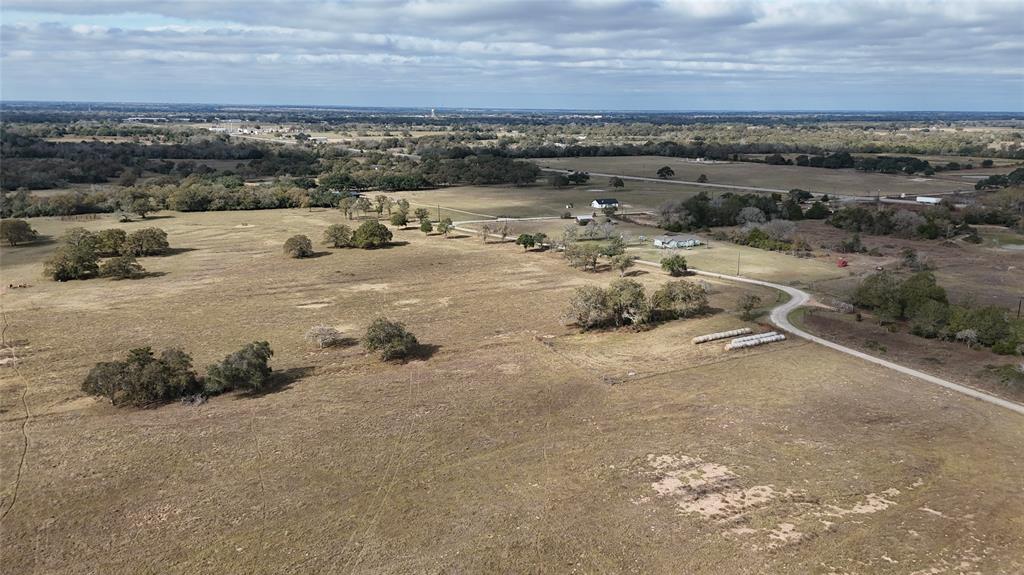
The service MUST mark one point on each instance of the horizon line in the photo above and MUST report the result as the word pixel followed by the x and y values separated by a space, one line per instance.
pixel 549 110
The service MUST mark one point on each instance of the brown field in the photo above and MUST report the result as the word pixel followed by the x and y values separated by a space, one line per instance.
pixel 989 273
pixel 476 202
pixel 514 444
pixel 841 182
pixel 945 359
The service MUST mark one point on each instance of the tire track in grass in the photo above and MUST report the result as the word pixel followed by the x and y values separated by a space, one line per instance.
pixel 395 458
pixel 24 421
pixel 263 492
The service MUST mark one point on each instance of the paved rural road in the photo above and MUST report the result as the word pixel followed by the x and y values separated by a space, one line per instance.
pixel 754 188
pixel 780 317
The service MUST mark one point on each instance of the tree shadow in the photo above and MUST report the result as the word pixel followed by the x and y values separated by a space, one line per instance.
pixel 423 351
pixel 176 251
pixel 39 240
pixel 457 236
pixel 342 342
pixel 635 273
pixel 390 245
pixel 279 381
pixel 158 217
pixel 315 255
pixel 143 275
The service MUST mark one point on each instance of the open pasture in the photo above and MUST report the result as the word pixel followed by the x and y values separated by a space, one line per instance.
pixel 473 202
pixel 836 182
pixel 513 443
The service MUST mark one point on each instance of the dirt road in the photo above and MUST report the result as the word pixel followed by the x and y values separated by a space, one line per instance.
pixel 780 317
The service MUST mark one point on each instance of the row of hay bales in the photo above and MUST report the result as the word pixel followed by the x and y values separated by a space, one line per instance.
pixel 743 341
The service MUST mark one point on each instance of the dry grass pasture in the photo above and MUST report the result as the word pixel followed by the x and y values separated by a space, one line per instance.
pixel 514 444
pixel 837 182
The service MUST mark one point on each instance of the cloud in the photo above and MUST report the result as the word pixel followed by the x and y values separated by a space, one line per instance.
pixel 772 53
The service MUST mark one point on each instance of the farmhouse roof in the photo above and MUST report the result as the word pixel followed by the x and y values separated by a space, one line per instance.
pixel 606 201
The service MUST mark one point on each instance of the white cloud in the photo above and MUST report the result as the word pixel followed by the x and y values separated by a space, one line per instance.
pixel 781 48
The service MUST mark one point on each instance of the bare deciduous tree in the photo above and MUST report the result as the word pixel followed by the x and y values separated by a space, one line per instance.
pixel 323 336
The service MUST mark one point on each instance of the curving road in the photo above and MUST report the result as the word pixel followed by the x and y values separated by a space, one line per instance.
pixel 797 297
pixel 780 317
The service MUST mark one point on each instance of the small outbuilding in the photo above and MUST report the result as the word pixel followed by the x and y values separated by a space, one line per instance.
pixel 601 203
pixel 928 200
pixel 584 220
pixel 666 242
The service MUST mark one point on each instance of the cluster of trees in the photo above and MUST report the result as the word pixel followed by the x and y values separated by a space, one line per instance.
pixel 1014 178
pixel 369 235
pixel 702 212
pixel 79 252
pixel 35 163
pixel 585 256
pixel 931 223
pixel 577 178
pixel 920 301
pixel 143 379
pixel 530 241
pixel 200 192
pixel 625 302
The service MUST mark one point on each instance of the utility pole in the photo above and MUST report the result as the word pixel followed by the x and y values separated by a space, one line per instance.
pixel 438 205
pixel 737 263
pixel 1020 300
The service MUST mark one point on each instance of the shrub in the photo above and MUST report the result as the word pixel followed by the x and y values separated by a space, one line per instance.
pixel 425 226
pixel 338 236
pixel 245 369
pixel 817 211
pixel 589 307
pixel 143 380
pixel 747 303
pixel 371 234
pixel 75 257
pixel 678 299
pixel 111 242
pixel 628 303
pixel 582 256
pixel 146 242
pixel 525 240
pixel 445 226
pixel 675 265
pixel 623 262
pixel 400 219
pixel 324 336
pixel 121 267
pixel 16 232
pixel 298 247
pixel 390 339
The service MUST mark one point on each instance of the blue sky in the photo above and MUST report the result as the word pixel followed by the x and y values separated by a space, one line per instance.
pixel 600 54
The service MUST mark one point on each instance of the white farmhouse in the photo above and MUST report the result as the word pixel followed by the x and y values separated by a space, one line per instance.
pixel 601 203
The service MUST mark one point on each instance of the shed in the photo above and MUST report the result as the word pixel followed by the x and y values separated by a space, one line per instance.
pixel 928 200
pixel 676 241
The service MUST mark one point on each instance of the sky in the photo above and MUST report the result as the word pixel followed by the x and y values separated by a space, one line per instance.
pixel 746 55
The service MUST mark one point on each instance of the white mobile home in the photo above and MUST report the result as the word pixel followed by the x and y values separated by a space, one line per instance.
pixel 676 242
